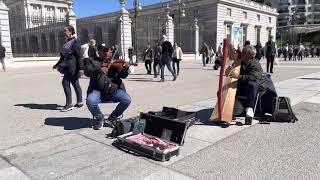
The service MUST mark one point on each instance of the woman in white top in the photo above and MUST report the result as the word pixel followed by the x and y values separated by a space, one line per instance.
pixel 177 57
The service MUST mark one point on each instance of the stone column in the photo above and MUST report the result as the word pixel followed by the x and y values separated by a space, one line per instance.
pixel 56 36
pixel 55 14
pixel 169 27
pixel 71 18
pixel 43 14
pixel 5 39
pixel 196 39
pixel 125 36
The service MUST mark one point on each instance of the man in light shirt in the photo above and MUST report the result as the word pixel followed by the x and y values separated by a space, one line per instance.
pixel 84 51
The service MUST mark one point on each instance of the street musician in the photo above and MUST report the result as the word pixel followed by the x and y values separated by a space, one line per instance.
pixel 106 86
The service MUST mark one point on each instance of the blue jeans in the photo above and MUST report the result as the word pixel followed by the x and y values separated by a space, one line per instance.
pixel 95 98
pixel 166 60
pixel 67 79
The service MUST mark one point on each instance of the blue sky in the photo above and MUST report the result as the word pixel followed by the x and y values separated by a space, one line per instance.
pixel 85 8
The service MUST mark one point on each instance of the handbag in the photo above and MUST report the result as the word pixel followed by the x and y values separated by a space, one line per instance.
pixel 62 67
pixel 276 61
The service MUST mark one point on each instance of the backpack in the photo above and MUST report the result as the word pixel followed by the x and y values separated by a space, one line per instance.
pixel 282 110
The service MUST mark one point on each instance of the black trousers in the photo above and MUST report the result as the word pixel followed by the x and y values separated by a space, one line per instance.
pixel 249 90
pixel 156 67
pixel 67 79
pixel 174 62
pixel 147 64
pixel 270 61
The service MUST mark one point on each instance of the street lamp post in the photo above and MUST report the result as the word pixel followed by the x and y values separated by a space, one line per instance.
pixel 159 27
pixel 182 13
pixel 137 7
pixel 122 2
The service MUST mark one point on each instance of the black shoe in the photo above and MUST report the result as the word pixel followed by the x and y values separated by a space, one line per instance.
pixel 66 108
pixel 174 78
pixel 78 105
pixel 248 121
pixel 112 120
pixel 99 125
pixel 162 80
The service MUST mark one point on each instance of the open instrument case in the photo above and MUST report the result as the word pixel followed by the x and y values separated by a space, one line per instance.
pixel 169 125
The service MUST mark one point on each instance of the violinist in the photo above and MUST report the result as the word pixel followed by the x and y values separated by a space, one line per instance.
pixel 105 86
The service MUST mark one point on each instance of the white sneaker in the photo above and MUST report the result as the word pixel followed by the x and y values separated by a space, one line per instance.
pixel 203 67
pixel 249 112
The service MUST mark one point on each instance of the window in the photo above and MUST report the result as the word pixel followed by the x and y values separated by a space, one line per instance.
pixel 34 7
pixel 270 20
pixel 48 9
pixel 258 32
pixel 229 27
pixel 61 10
pixel 258 17
pixel 269 32
pixel 245 15
pixel 244 34
pixel 228 12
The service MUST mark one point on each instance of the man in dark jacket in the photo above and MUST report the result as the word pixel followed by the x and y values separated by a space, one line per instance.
pixel 97 95
pixel 166 59
pixel 148 57
pixel 157 57
pixel 248 80
pixel 2 56
pixel 270 53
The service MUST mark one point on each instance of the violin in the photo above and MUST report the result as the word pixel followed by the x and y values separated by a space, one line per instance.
pixel 117 64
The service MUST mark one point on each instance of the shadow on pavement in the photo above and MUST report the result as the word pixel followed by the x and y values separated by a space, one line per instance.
pixel 204 115
pixel 69 123
pixel 40 106
pixel 310 78
pixel 143 80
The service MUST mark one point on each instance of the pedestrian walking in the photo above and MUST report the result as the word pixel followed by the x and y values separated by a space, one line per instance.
pixel 71 66
pixel 166 58
pixel 259 50
pixel 84 51
pixel 2 56
pixel 285 52
pixel 212 55
pixel 157 57
pixel 147 57
pixel 177 57
pixel 300 52
pixel 93 51
pixel 290 52
pixel 270 49
pixel 313 51
pixel 205 53
pixel 295 52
